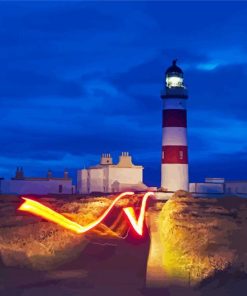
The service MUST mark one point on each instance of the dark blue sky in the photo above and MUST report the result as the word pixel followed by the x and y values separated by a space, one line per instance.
pixel 82 78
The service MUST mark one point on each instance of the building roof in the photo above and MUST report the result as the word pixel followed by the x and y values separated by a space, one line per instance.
pixel 125 161
pixel 40 179
pixel 174 68
pixel 236 181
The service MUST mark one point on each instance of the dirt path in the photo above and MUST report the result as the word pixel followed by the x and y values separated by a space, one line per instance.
pixel 103 268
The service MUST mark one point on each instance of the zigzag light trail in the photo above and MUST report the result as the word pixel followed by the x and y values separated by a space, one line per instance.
pixel 45 212
pixel 137 224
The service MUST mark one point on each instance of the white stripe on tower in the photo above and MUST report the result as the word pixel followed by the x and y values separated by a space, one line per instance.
pixel 174 167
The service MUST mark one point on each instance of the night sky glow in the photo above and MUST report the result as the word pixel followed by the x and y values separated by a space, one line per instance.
pixel 82 78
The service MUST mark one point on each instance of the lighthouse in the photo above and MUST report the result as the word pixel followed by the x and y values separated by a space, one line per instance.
pixel 174 167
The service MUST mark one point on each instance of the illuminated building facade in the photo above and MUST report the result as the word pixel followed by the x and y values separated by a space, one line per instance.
pixel 174 167
pixel 108 177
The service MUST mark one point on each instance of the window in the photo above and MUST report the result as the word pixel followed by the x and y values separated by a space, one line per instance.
pixel 60 188
pixel 181 155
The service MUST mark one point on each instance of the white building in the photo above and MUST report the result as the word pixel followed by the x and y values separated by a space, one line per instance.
pixel 219 186
pixel 108 177
pixel 27 185
pixel 236 187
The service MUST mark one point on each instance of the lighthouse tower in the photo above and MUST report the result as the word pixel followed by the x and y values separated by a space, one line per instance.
pixel 174 167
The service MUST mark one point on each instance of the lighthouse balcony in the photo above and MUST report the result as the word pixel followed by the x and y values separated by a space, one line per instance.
pixel 174 92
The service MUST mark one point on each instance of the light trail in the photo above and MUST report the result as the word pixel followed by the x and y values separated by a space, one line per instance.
pixel 137 224
pixel 45 212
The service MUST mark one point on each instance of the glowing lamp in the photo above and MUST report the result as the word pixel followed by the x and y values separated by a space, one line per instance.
pixel 174 81
pixel 174 76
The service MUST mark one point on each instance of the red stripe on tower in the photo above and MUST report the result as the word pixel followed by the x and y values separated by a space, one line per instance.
pixel 175 154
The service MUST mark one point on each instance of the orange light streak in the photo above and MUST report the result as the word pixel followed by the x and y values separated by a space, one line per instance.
pixel 42 211
pixel 45 212
pixel 137 224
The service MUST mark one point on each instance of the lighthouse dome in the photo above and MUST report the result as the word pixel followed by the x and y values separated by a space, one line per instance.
pixel 174 69
pixel 174 76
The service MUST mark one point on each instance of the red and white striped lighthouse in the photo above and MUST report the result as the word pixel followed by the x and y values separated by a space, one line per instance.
pixel 174 167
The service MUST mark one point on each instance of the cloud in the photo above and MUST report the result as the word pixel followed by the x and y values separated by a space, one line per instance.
pixel 79 79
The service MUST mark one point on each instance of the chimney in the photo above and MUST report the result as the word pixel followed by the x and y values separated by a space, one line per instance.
pixel 66 174
pixel 20 173
pixel 125 160
pixel 49 174
pixel 106 159
pixel 17 173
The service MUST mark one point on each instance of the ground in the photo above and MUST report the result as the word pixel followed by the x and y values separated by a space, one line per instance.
pixel 41 258
pixel 106 268
pixel 204 243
